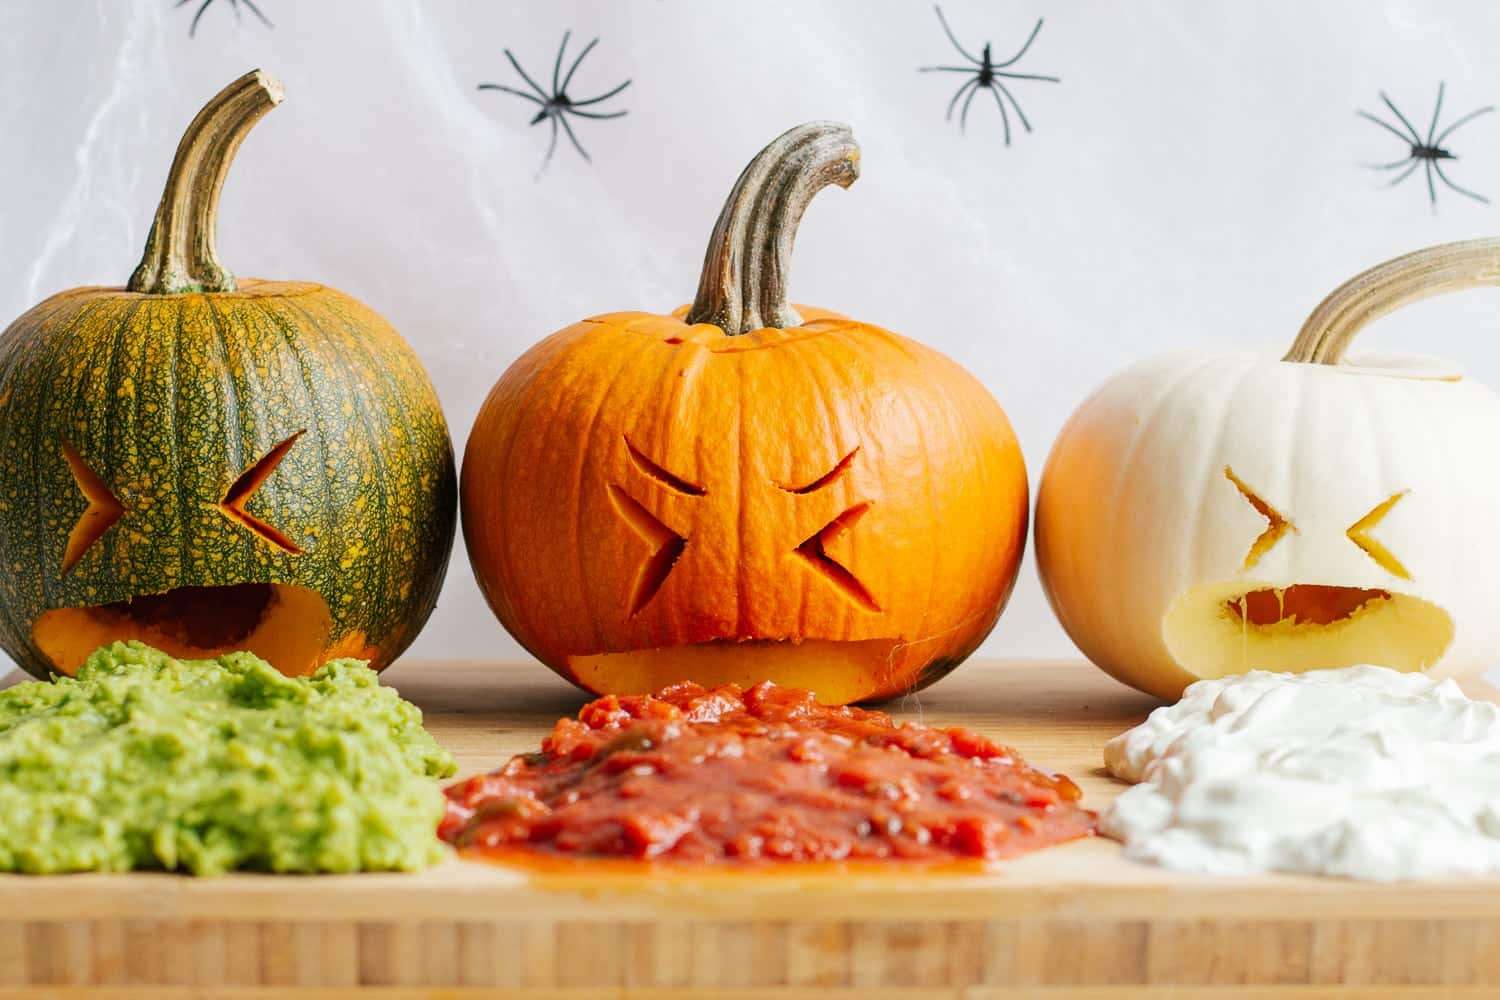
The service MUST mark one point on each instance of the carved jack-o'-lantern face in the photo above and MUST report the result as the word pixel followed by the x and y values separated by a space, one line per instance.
pixel 1203 514
pixel 746 493
pixel 210 465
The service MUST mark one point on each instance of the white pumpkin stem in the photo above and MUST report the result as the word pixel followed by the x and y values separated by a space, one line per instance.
pixel 1449 267
pixel 181 255
pixel 743 286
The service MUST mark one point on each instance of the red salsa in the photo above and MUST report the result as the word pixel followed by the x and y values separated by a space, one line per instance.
pixel 701 775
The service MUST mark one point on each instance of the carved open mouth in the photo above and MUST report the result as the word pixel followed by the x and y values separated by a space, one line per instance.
pixel 837 672
pixel 1225 628
pixel 285 625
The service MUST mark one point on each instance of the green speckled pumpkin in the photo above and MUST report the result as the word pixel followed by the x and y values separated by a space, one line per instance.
pixel 206 464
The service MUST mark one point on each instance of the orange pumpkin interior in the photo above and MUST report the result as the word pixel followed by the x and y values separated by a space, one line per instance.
pixel 1302 602
pixel 836 672
pixel 285 625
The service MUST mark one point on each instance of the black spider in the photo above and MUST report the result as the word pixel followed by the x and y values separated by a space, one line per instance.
pixel 987 76
pixel 1428 153
pixel 233 4
pixel 556 105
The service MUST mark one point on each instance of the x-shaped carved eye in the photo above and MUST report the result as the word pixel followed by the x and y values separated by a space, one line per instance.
pixel 1276 525
pixel 244 487
pixel 666 545
pixel 814 551
pixel 103 511
pixel 1359 534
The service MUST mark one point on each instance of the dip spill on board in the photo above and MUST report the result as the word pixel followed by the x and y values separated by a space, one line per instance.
pixel 1363 772
pixel 145 761
pixel 767 774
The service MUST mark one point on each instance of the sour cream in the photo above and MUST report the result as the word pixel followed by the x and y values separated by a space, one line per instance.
pixel 1362 772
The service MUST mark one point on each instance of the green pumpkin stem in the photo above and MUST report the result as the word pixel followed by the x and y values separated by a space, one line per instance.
pixel 180 252
pixel 1364 298
pixel 743 286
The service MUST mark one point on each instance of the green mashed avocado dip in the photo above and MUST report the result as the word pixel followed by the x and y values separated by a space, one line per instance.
pixel 145 761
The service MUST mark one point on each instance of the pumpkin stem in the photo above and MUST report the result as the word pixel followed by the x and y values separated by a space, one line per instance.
pixel 1364 298
pixel 180 253
pixel 743 286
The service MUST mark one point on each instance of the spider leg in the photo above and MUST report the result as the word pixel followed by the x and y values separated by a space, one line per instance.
pixel 948 117
pixel 946 69
pixel 551 147
pixel 602 97
pixel 1415 163
pixel 1393 130
pixel 596 114
pixel 576 62
pixel 1461 190
pixel 1431 191
pixel 1462 121
pixel 557 66
pixel 511 90
pixel 1391 166
pixel 1004 118
pixel 574 139
pixel 1034 32
pixel 1015 104
pixel 193 28
pixel 1437 110
pixel 963 117
pixel 234 5
pixel 257 12
pixel 1030 76
pixel 540 92
pixel 1415 138
pixel 949 32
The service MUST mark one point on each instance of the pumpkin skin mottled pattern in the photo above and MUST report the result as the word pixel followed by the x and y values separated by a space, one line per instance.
pixel 745 447
pixel 168 399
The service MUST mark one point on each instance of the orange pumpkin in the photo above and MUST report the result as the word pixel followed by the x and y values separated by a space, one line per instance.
pixel 742 490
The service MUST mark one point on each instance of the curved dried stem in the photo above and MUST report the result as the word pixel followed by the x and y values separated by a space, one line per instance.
pixel 180 254
pixel 1438 270
pixel 743 286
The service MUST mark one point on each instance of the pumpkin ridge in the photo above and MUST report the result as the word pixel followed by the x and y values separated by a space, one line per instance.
pixel 399 406
pixel 283 327
pixel 580 466
pixel 110 542
pixel 380 354
pixel 52 356
pixel 382 576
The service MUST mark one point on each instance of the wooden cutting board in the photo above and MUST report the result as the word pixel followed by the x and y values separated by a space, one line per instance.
pixel 1072 922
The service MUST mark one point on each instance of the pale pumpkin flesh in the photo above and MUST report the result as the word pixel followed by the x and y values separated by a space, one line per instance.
pixel 1213 630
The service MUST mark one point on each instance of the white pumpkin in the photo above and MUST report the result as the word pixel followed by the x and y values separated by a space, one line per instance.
pixel 1207 514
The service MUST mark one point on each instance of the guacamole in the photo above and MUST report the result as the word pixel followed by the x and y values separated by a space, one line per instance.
pixel 145 761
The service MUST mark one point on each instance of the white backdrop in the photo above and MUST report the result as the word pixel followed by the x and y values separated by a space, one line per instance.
pixel 1195 178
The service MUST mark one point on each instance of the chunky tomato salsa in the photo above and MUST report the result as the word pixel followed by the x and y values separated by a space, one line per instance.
pixel 701 775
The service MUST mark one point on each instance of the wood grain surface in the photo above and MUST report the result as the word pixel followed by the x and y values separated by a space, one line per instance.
pixel 1072 922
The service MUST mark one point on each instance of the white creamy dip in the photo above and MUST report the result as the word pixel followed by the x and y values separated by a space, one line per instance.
pixel 1363 772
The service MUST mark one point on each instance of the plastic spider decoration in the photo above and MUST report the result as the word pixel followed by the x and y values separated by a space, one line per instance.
pixel 554 107
pixel 234 5
pixel 1426 153
pixel 986 74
